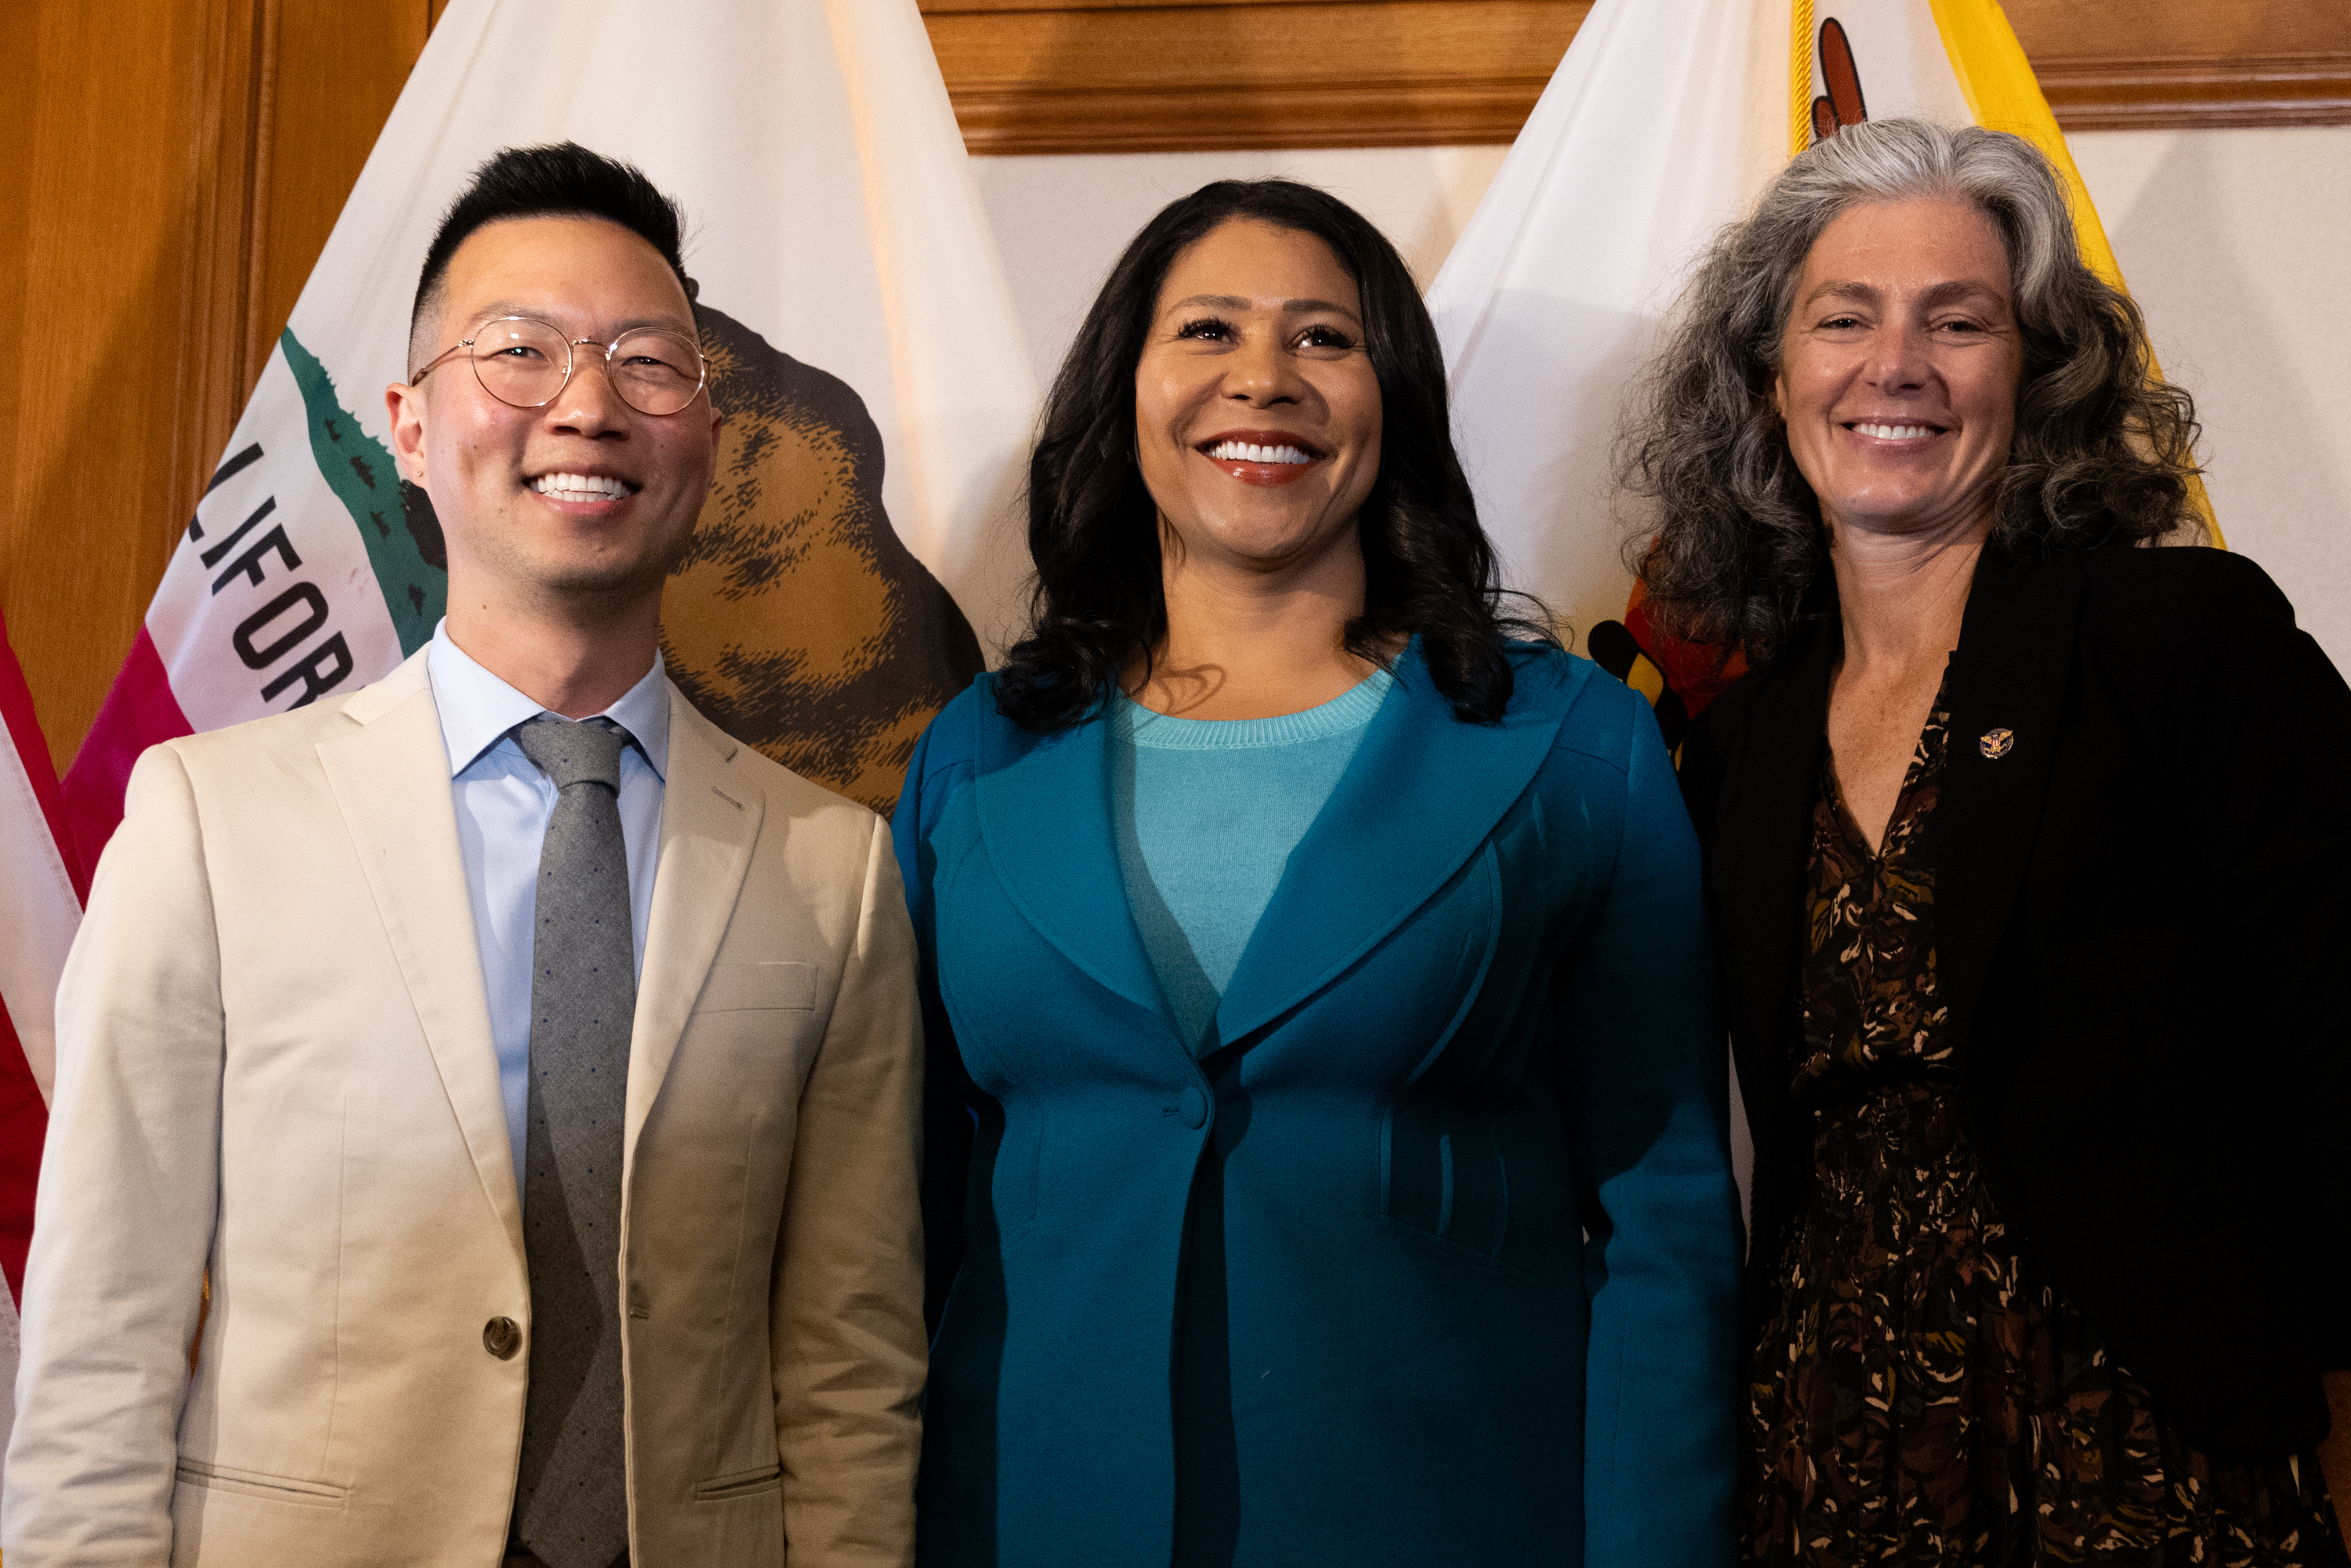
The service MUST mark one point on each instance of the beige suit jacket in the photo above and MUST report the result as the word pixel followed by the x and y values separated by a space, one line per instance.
pixel 274 1062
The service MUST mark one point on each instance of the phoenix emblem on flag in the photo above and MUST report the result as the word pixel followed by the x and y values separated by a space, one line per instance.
pixel 1841 105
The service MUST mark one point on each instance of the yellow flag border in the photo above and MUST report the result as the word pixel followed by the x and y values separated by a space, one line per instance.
pixel 2002 94
pixel 1800 76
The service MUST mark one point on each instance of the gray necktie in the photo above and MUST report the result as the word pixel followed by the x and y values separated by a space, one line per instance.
pixel 572 1507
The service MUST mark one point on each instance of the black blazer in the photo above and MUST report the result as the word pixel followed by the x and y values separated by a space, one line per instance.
pixel 2143 931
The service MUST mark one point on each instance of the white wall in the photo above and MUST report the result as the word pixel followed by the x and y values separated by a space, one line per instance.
pixel 1061 222
pixel 2234 241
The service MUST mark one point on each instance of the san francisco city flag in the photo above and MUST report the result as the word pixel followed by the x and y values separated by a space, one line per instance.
pixel 854 558
pixel 42 886
pixel 1664 122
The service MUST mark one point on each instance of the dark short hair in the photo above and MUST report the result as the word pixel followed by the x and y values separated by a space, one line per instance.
pixel 1093 528
pixel 559 179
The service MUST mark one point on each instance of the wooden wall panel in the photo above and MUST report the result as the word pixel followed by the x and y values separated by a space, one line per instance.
pixel 100 298
pixel 1176 75
pixel 2213 63
pixel 1219 73
pixel 175 182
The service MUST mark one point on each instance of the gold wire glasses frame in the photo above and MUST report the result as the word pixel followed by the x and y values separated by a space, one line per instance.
pixel 515 358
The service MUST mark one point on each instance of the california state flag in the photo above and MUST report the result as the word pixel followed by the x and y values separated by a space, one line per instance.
pixel 1664 122
pixel 855 556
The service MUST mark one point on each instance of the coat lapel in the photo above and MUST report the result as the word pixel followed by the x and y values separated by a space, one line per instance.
pixel 1762 839
pixel 709 822
pixel 1047 818
pixel 1421 795
pixel 2012 669
pixel 390 776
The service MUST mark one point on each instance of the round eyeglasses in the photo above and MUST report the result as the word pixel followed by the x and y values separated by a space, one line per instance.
pixel 525 362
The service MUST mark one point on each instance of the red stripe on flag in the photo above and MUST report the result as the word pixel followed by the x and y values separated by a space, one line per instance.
pixel 140 711
pixel 33 749
pixel 23 1116
pixel 23 1126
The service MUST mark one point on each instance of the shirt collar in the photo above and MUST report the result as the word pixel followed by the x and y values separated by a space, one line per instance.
pixel 478 709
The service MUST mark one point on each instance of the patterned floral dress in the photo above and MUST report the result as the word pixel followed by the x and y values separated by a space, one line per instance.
pixel 1919 1393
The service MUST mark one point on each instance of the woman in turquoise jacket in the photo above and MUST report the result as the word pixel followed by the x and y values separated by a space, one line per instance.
pixel 1327 1154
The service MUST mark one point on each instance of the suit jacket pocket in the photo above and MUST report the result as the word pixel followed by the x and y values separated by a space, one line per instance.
pixel 741 1483
pixel 261 1485
pixel 744 987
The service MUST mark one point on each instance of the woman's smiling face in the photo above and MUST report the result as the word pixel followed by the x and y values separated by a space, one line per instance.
pixel 1899 367
pixel 1256 407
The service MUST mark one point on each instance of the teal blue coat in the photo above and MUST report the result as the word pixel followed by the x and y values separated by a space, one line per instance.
pixel 1434 1263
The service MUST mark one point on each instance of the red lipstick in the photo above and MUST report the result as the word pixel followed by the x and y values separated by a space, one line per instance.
pixel 1274 457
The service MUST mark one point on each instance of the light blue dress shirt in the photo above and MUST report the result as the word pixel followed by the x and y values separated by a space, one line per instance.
pixel 503 802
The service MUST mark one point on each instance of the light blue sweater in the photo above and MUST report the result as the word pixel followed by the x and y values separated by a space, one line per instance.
pixel 1475 1142
pixel 1207 812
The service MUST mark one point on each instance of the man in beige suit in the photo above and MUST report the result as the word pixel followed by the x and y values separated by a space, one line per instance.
pixel 555 1209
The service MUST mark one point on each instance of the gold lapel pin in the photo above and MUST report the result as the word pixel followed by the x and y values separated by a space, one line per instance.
pixel 1998 743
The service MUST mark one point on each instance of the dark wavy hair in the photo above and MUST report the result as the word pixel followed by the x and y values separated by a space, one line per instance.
pixel 1093 528
pixel 2104 449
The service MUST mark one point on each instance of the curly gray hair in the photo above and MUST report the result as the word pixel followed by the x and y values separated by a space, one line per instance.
pixel 2104 448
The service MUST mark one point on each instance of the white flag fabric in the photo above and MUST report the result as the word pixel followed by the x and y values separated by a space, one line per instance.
pixel 858 552
pixel 41 891
pixel 1665 121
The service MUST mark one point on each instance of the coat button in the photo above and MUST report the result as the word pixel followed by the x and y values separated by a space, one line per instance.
pixel 502 1337
pixel 1194 1106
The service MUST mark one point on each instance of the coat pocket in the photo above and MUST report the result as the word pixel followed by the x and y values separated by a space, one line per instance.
pixel 1441 1171
pixel 741 1483
pixel 1484 1186
pixel 747 988
pixel 261 1485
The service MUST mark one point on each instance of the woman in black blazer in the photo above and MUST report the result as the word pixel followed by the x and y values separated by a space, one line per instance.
pixel 2032 870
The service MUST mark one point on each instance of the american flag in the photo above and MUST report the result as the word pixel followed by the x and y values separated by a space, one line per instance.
pixel 43 884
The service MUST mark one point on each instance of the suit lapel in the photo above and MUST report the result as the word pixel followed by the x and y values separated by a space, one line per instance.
pixel 1047 818
pixel 390 776
pixel 1421 795
pixel 709 822
pixel 2011 672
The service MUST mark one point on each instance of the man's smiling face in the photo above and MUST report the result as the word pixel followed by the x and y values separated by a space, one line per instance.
pixel 584 496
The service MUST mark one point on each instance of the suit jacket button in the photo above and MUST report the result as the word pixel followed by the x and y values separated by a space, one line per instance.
pixel 1194 1106
pixel 502 1337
